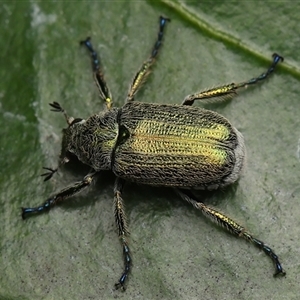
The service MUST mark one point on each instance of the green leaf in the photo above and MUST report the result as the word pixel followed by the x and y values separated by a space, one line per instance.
pixel 73 251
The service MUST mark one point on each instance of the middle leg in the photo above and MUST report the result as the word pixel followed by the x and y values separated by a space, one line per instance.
pixel 230 90
pixel 123 232
pixel 145 69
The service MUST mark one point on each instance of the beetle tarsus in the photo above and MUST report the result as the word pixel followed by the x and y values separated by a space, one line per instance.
pixel 268 251
pixel 31 210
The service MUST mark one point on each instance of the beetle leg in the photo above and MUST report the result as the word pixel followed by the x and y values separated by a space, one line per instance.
pixel 230 90
pixel 232 226
pixel 104 91
pixel 121 223
pixel 60 196
pixel 145 69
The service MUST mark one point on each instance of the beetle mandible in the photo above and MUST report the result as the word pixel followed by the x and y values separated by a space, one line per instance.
pixel 176 146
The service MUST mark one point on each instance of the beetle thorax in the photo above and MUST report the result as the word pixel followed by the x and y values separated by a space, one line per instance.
pixel 93 140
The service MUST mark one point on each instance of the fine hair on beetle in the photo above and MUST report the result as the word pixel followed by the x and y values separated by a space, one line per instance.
pixel 183 147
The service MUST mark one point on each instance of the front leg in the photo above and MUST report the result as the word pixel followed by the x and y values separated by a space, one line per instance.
pixel 104 91
pixel 60 196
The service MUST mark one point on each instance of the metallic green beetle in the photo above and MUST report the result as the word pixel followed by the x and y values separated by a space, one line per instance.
pixel 178 146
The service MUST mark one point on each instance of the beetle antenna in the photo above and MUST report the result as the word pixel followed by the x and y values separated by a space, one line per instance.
pixel 56 107
pixel 48 175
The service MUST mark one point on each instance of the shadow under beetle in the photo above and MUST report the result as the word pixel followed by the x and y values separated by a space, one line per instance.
pixel 178 146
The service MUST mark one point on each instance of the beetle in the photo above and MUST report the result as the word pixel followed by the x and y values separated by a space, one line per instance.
pixel 177 146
